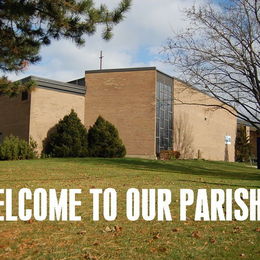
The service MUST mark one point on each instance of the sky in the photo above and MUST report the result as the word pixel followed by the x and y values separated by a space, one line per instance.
pixel 137 42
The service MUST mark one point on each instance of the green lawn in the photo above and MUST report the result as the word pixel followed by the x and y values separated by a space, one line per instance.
pixel 129 240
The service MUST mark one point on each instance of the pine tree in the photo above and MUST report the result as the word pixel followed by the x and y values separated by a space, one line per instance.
pixel 69 138
pixel 104 141
pixel 12 89
pixel 25 26
pixel 242 145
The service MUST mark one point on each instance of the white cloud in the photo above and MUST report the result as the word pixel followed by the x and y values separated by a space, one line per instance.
pixel 144 30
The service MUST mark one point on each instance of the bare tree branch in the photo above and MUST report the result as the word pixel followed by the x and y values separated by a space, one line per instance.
pixel 219 54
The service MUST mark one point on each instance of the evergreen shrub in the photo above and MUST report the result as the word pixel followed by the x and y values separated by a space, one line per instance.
pixel 104 141
pixel 14 148
pixel 69 138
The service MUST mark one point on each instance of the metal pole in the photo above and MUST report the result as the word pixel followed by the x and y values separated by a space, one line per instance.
pixel 101 60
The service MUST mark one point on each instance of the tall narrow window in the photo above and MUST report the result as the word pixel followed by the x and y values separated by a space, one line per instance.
pixel 164 124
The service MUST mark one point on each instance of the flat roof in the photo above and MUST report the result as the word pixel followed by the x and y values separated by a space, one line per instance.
pixel 148 68
pixel 120 70
pixel 131 69
pixel 57 85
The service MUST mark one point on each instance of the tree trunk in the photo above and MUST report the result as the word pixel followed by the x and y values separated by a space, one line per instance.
pixel 258 153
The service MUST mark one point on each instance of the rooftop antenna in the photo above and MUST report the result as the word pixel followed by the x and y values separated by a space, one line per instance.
pixel 101 60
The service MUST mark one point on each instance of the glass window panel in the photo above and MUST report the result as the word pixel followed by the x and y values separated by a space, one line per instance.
pixel 164 117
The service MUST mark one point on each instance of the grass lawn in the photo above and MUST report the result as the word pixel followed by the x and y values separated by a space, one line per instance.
pixel 130 240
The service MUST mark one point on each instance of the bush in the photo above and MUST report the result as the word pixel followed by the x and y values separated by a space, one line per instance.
pixel 69 138
pixel 176 155
pixel 104 141
pixel 169 155
pixel 14 148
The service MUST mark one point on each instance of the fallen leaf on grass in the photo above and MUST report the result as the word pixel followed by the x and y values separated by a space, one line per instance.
pixel 196 234
pixel 107 229
pixel 30 221
pixel 162 249
pixel 156 236
pixel 82 232
pixel 257 229
pixel 149 241
pixel 117 228
pixel 175 230
pixel 237 229
pixel 90 257
pixel 212 240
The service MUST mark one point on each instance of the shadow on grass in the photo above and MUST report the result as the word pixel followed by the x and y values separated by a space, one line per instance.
pixel 194 167
pixel 221 183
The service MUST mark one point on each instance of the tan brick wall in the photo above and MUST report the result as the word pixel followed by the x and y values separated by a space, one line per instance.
pixel 48 107
pixel 14 116
pixel 208 126
pixel 126 99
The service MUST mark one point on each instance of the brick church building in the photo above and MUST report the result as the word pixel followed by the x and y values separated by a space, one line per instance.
pixel 151 110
